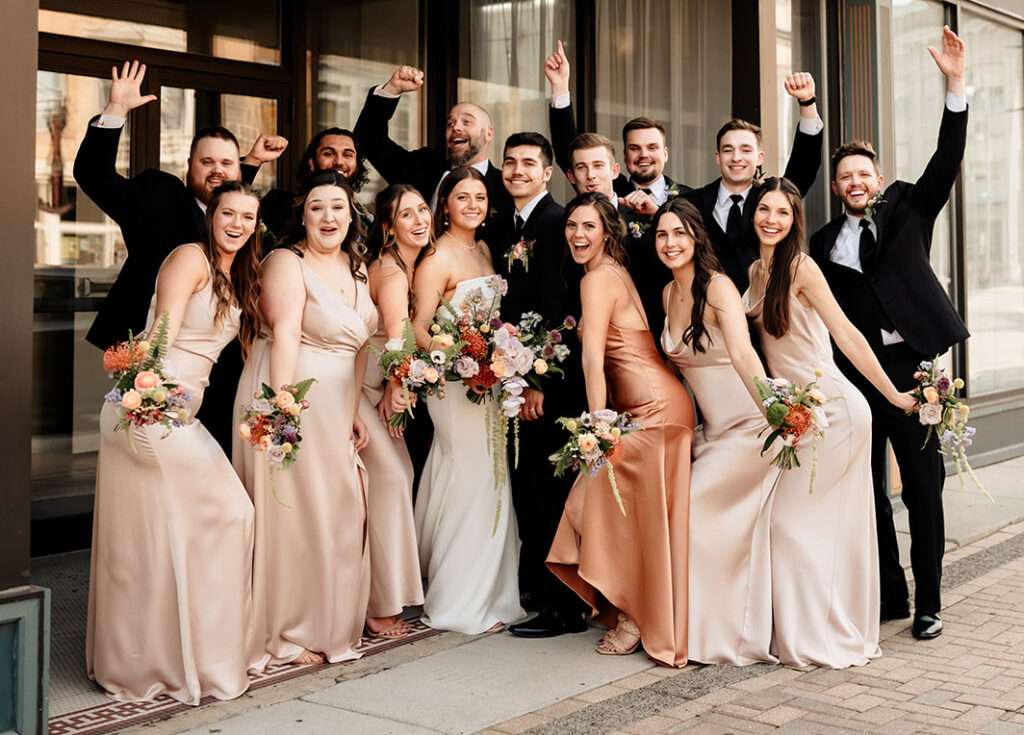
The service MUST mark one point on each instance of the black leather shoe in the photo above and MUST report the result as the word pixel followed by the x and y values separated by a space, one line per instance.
pixel 548 624
pixel 894 614
pixel 927 627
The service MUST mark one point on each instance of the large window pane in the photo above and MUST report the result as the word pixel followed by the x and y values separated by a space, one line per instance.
pixel 671 61
pixel 993 173
pixel 354 45
pixel 79 252
pixel 508 43
pixel 247 31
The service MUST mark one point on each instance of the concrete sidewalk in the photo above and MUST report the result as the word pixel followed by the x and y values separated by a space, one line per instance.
pixel 461 684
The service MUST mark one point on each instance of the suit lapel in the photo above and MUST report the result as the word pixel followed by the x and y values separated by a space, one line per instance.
pixel 821 253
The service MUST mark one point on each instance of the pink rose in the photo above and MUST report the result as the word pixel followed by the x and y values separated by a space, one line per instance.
pixel 146 380
pixel 131 399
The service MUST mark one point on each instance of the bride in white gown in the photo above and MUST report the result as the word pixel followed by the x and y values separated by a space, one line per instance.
pixel 470 561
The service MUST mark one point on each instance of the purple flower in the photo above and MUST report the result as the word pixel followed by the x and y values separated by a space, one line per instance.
pixel 555 336
pixel 114 396
pixel 496 323
pixel 570 321
pixel 942 384
pixel 289 433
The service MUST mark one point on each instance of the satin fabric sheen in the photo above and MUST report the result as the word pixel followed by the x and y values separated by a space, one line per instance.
pixel 635 563
pixel 731 494
pixel 170 587
pixel 312 565
pixel 825 589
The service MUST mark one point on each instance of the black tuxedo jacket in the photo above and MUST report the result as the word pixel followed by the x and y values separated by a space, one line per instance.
pixel 901 277
pixel 801 169
pixel 422 167
pixel 156 212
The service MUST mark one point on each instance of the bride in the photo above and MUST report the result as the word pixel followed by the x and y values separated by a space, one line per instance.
pixel 469 559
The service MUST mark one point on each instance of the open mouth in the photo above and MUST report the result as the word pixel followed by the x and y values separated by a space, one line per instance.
pixel 770 231
pixel 328 230
pixel 457 142
pixel 234 234
pixel 672 254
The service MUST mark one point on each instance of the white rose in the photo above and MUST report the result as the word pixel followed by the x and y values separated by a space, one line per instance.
pixel 930 414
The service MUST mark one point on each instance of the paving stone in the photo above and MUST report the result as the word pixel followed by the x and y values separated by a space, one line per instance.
pixel 780 715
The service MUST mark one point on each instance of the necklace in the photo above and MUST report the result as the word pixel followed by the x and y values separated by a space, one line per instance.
pixel 461 244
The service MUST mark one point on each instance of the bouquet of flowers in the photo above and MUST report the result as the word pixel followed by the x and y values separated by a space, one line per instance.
pixel 792 412
pixel 416 371
pixel 272 422
pixel 142 390
pixel 468 328
pixel 546 345
pixel 945 414
pixel 593 441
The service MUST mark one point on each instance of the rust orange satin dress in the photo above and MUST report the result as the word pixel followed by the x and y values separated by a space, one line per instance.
pixel 635 563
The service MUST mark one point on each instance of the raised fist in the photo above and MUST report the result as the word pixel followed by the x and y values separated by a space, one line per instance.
pixel 800 85
pixel 126 89
pixel 404 79
pixel 267 148
pixel 556 69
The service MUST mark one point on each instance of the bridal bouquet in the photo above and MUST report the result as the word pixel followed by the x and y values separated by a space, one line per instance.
pixel 272 422
pixel 469 328
pixel 945 414
pixel 593 441
pixel 420 373
pixel 143 392
pixel 793 412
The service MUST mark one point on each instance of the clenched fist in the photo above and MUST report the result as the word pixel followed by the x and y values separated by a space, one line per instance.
pixel 404 79
pixel 800 85
pixel 267 148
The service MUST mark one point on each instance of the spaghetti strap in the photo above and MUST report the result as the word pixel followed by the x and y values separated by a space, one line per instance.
pixel 631 288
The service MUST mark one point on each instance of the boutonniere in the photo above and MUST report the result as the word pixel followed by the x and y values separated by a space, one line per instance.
pixel 520 252
pixel 637 228
pixel 872 209
pixel 672 192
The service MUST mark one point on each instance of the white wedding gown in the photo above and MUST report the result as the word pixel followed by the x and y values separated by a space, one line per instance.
pixel 468 541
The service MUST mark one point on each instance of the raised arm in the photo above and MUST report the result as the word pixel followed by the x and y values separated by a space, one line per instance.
pixel 727 307
pixel 560 113
pixel 371 130
pixel 598 293
pixel 183 273
pixel 267 148
pixel 809 282
pixel 805 158
pixel 282 301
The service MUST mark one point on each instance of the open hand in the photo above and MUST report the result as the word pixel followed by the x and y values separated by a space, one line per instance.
pixel 404 79
pixel 126 89
pixel 556 69
pixel 267 148
pixel 953 57
pixel 799 85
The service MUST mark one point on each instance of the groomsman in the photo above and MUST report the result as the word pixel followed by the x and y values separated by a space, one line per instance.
pixel 157 212
pixel 876 259
pixel 545 281
pixel 468 138
pixel 724 203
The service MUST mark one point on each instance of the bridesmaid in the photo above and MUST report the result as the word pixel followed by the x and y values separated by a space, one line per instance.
pixel 731 485
pixel 170 587
pixel 824 552
pixel 631 569
pixel 311 576
pixel 401 237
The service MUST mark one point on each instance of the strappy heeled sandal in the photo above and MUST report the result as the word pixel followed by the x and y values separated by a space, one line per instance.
pixel 613 645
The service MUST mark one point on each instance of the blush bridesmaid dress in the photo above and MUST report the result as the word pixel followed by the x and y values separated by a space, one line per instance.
pixel 311 577
pixel 170 588
pixel 635 563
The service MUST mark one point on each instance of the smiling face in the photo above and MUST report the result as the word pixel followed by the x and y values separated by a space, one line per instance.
pixel 467 134
pixel 337 152
pixel 673 242
pixel 411 221
pixel 856 182
pixel 593 170
pixel 584 232
pixel 646 155
pixel 739 155
pixel 467 204
pixel 326 215
pixel 213 162
pixel 524 172
pixel 773 218
pixel 233 223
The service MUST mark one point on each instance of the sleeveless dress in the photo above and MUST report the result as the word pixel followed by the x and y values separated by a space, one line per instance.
pixel 395 581
pixel 170 588
pixel 635 563
pixel 731 493
pixel 470 561
pixel 825 589
pixel 311 577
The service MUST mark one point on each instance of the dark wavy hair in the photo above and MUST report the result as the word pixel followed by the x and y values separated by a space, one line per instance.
pixel 307 164
pixel 780 280
pixel 705 265
pixel 354 244
pixel 614 227
pixel 243 288
pixel 457 176
pixel 382 236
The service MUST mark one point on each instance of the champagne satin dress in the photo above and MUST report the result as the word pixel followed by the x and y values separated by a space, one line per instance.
pixel 825 589
pixel 731 493
pixel 395 581
pixel 635 563
pixel 170 588
pixel 311 578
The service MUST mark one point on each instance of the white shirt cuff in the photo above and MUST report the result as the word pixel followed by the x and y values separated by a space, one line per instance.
pixel 807 126
pixel 381 92
pixel 561 101
pixel 956 102
pixel 109 121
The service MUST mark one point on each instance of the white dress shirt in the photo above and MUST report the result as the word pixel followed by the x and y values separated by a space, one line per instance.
pixel 724 203
pixel 531 205
pixel 658 189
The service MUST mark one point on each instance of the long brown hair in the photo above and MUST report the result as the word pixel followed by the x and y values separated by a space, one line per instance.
pixel 614 228
pixel 448 184
pixel 705 265
pixel 243 288
pixel 354 244
pixel 382 235
pixel 780 279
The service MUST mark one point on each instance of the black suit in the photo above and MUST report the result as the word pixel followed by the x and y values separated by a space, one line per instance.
pixel 897 289
pixel 423 167
pixel 550 287
pixel 156 212
pixel 736 255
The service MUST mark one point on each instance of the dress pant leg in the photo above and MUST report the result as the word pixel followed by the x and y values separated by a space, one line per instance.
pixel 217 411
pixel 893 581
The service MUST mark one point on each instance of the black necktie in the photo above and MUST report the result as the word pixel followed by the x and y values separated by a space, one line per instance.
pixel 646 191
pixel 868 245
pixel 519 222
pixel 734 222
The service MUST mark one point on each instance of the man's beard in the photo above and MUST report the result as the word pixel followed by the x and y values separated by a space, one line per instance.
pixel 473 148
pixel 642 178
